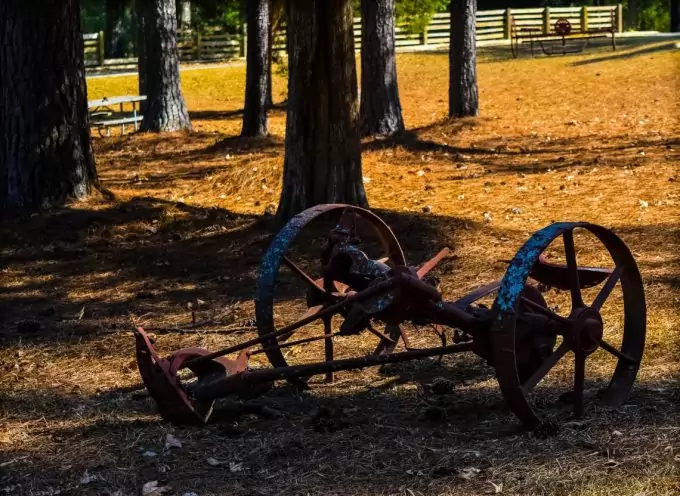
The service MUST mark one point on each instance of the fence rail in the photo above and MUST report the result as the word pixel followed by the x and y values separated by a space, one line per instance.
pixel 491 25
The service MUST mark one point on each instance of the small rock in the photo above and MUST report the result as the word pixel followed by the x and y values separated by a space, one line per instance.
pixel 190 494
pixel 235 467
pixel 516 210
pixel 152 488
pixel 488 217
pixel 270 210
pixel 617 433
pixel 461 197
pixel 213 462
pixel 89 478
pixel 366 179
pixel 440 385
pixel 427 209
pixel 643 204
pixel 149 454
pixel 428 187
pixel 420 173
pixel 172 442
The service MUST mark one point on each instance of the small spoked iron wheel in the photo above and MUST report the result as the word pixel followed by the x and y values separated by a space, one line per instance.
pixel 562 26
pixel 594 315
pixel 295 283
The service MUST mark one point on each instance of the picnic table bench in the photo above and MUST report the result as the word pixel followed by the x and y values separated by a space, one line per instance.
pixel 103 116
pixel 557 36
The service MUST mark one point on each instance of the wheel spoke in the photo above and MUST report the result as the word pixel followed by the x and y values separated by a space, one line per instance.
pixel 348 221
pixel 572 267
pixel 607 288
pixel 579 379
pixel 382 336
pixel 545 311
pixel 545 367
pixel 302 274
pixel 618 354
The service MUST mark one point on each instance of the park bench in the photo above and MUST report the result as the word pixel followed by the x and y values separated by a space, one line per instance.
pixel 103 116
pixel 553 39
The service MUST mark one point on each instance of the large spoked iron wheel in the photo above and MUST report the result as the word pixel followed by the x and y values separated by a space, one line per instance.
pixel 598 323
pixel 292 270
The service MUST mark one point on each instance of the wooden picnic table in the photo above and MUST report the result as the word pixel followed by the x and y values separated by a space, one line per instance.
pixel 103 108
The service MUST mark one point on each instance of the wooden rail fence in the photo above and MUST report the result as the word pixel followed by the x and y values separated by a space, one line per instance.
pixel 215 44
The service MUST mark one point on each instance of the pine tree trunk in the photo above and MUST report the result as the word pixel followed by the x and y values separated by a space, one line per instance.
pixel 255 109
pixel 632 14
pixel 380 107
pixel 113 32
pixel 270 55
pixel 323 156
pixel 165 107
pixel 675 16
pixel 463 98
pixel 184 14
pixel 45 147
pixel 141 47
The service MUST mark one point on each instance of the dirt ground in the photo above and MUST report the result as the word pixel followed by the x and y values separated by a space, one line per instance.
pixel 590 137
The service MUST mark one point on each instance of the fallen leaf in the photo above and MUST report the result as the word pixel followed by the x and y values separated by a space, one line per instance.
pixel 149 454
pixel 469 472
pixel 213 462
pixel 497 488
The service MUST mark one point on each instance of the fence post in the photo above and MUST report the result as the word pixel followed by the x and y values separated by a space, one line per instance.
pixel 423 36
pixel 619 18
pixel 197 45
pixel 507 24
pixel 101 51
pixel 546 20
pixel 584 18
pixel 243 42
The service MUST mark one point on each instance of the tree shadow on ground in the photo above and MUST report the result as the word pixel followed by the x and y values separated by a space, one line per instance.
pixel 148 256
pixel 276 109
pixel 664 47
pixel 639 45
pixel 343 440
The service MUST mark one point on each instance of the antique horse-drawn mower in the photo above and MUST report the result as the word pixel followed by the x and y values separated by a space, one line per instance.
pixel 359 294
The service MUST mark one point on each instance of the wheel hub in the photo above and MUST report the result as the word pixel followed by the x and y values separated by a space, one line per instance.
pixel 586 331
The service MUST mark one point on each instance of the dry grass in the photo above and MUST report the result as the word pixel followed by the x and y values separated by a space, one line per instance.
pixel 576 138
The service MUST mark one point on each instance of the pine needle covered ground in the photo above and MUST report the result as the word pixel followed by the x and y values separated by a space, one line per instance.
pixel 591 137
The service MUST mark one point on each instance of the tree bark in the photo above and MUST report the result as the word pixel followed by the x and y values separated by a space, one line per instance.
pixel 45 147
pixel 380 107
pixel 165 107
pixel 323 156
pixel 255 109
pixel 463 97
pixel 113 31
pixel 632 14
pixel 141 48
pixel 184 14
pixel 675 16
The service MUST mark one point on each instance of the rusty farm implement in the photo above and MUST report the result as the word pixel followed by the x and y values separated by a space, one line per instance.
pixel 542 316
